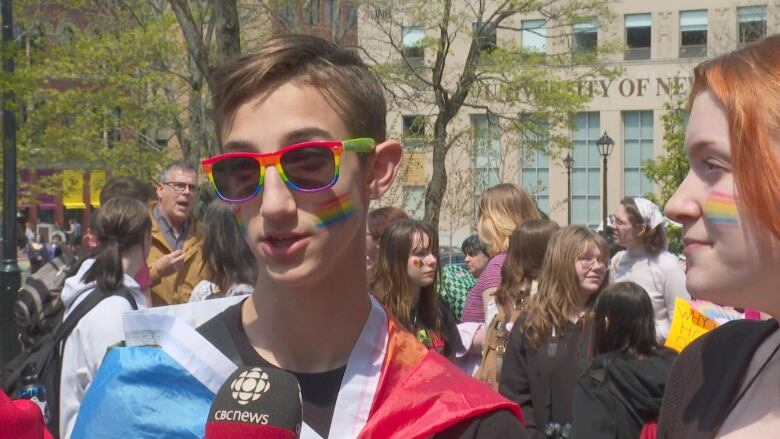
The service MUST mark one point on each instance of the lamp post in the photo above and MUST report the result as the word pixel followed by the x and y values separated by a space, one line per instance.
pixel 569 163
pixel 605 145
pixel 10 273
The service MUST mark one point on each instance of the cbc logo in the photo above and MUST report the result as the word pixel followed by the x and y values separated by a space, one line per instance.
pixel 250 385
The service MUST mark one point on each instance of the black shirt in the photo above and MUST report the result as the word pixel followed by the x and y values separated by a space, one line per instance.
pixel 320 391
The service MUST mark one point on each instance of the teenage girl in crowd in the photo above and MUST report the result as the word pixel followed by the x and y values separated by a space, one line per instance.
pixel 501 209
pixel 123 230
pixel 519 275
pixel 639 227
pixel 553 333
pixel 406 277
pixel 725 384
pixel 623 386
pixel 226 256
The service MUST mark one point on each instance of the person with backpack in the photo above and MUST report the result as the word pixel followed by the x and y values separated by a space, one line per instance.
pixel 621 390
pixel 123 229
pixel 519 280
pixel 553 333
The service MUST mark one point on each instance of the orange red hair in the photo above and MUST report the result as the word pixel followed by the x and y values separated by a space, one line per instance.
pixel 747 83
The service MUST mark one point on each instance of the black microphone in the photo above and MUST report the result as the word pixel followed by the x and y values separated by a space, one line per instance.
pixel 256 402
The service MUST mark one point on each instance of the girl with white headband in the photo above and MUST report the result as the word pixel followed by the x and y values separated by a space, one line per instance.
pixel 639 227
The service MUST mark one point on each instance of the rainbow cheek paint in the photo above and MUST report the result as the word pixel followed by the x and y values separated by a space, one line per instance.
pixel 418 263
pixel 334 211
pixel 241 223
pixel 721 209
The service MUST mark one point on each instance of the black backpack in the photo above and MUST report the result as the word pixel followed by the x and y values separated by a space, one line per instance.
pixel 45 356
pixel 38 308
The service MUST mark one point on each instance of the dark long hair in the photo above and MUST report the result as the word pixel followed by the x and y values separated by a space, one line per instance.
pixel 121 223
pixel 390 278
pixel 623 321
pixel 523 265
pixel 225 251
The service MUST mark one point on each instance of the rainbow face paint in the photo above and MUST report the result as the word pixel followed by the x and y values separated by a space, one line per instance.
pixel 721 209
pixel 418 263
pixel 335 210
pixel 239 220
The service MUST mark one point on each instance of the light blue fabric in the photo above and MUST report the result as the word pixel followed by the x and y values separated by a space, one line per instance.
pixel 141 392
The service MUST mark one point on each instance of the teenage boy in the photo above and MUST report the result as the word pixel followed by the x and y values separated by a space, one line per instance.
pixel 302 126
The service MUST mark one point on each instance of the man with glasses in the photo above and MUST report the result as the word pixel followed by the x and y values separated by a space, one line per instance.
pixel 175 260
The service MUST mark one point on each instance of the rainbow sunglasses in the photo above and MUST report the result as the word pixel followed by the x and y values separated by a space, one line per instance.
pixel 306 167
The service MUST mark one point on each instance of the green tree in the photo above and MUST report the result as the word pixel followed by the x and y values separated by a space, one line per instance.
pixel 669 170
pixel 88 96
pixel 444 60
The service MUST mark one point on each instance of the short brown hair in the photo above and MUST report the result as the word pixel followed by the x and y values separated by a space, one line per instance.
pixel 652 239
pixel 338 73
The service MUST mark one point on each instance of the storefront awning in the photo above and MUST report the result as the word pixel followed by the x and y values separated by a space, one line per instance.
pixel 74 205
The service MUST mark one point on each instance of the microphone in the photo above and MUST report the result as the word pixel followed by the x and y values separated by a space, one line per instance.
pixel 256 402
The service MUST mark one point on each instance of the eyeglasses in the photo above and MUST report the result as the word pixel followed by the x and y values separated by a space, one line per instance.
pixel 587 262
pixel 306 167
pixel 179 186
pixel 613 221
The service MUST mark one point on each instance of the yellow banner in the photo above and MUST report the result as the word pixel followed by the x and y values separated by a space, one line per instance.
pixel 73 189
pixel 96 183
pixel 687 325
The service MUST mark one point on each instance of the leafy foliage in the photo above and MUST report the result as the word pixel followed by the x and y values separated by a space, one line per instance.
pixel 466 63
pixel 669 170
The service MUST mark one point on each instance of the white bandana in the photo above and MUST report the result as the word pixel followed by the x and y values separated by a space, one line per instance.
pixel 651 215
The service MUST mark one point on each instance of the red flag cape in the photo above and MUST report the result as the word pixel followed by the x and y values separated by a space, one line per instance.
pixel 420 393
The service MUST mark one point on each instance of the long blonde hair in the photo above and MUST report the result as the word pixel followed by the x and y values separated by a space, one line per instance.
pixel 502 208
pixel 556 298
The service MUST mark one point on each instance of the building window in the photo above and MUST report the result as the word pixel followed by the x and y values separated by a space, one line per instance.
pixel 331 15
pixel 412 40
pixel 638 36
pixel 586 173
pixel 311 13
pixel 536 164
pixel 693 33
pixel 751 24
pixel 638 147
pixel 414 131
pixel 586 37
pixel 534 36
pixel 487 153
pixel 288 9
pixel 486 41
pixel 414 201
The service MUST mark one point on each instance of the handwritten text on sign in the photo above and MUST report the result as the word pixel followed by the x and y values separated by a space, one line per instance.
pixel 687 325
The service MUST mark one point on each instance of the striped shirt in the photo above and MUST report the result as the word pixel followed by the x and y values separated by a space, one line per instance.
pixel 490 278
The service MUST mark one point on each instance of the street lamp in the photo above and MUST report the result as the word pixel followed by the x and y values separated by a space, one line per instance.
pixel 605 145
pixel 569 163
pixel 10 274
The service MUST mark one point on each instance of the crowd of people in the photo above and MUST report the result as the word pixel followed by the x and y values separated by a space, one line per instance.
pixel 541 333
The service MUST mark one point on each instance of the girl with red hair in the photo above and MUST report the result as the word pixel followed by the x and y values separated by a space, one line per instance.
pixel 725 383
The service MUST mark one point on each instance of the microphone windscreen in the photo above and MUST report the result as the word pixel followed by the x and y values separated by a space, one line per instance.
pixel 256 402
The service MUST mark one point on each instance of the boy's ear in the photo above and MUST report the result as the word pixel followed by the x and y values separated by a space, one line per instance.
pixel 384 168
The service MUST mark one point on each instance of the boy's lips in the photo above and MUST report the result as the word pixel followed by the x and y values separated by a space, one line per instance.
pixel 285 244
